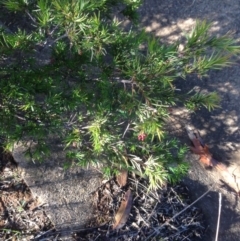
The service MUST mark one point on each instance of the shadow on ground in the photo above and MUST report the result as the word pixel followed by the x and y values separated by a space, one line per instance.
pixel 170 20
pixel 209 205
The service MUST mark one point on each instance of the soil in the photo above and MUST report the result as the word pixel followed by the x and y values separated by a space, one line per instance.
pixel 21 215
pixel 150 217
pixel 150 213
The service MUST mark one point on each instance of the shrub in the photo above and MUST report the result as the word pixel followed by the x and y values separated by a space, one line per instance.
pixel 70 70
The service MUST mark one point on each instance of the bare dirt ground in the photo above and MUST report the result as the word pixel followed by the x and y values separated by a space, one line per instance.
pixel 21 215
pixel 220 128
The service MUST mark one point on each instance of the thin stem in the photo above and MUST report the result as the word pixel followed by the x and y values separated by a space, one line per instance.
pixel 126 130
pixel 156 231
pixel 55 28
pixel 30 16
pixel 53 42
pixel 63 36
pixel 219 215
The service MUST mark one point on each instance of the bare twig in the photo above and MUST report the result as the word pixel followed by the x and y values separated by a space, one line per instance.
pixel 156 231
pixel 191 4
pixel 61 37
pixel 179 199
pixel 126 130
pixel 49 42
pixel 219 215
pixel 154 195
pixel 30 16
pixel 55 28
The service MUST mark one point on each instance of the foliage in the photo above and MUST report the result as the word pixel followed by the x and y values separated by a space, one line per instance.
pixel 73 72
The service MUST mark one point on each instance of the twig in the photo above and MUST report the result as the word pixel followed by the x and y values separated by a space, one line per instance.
pixel 49 43
pixel 154 209
pixel 51 33
pixel 43 234
pixel 156 231
pixel 126 130
pixel 97 237
pixel 52 232
pixel 30 16
pixel 148 191
pixel 174 235
pixel 192 3
pixel 61 37
pixel 117 79
pixel 219 215
pixel 179 199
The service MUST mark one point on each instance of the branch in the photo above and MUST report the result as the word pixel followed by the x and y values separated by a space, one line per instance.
pixel 30 16
pixel 156 231
pixel 219 215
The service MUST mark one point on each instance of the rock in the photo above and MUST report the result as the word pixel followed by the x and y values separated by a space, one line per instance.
pixel 66 193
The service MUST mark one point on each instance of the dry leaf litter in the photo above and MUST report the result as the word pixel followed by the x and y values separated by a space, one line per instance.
pixel 150 210
pixel 21 216
pixel 124 210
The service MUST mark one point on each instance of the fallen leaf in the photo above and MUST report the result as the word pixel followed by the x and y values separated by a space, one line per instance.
pixel 124 211
pixel 122 178
pixel 208 161
pixel 200 148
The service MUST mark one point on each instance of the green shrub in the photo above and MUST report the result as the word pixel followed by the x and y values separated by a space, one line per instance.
pixel 72 71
